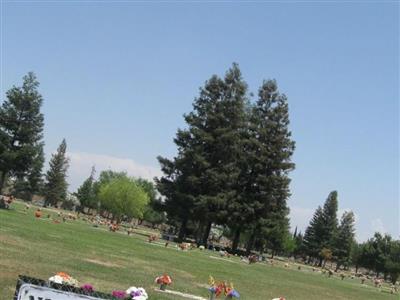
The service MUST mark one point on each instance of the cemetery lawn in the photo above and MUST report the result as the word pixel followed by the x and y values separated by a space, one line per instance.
pixel 110 261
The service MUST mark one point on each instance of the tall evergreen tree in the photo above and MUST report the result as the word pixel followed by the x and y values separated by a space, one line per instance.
pixel 344 239
pixel 86 194
pixel 269 151
pixel 30 184
pixel 55 189
pixel 330 223
pixel 321 232
pixel 312 239
pixel 21 127
pixel 201 181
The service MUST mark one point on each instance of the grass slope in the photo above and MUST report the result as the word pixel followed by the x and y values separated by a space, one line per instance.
pixel 40 248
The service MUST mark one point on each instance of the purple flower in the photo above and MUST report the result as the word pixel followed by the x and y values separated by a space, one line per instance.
pixel 119 294
pixel 136 294
pixel 87 287
pixel 233 294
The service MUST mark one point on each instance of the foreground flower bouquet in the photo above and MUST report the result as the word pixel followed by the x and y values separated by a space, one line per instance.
pixel 163 281
pixel 133 293
pixel 221 288
pixel 64 278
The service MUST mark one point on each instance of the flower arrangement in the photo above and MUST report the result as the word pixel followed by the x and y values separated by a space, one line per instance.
pixel 137 293
pixel 119 294
pixel 133 293
pixel 64 278
pixel 217 289
pixel 163 281
pixel 87 288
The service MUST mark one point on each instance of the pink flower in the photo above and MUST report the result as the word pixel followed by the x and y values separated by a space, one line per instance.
pixel 119 294
pixel 87 287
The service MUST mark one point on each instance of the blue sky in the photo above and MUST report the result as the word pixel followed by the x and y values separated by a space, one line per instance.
pixel 118 76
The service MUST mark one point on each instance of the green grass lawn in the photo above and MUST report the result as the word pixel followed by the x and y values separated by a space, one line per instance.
pixel 107 260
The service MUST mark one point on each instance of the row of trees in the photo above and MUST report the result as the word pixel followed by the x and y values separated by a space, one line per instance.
pixel 21 146
pixel 327 239
pixel 232 165
pixel 22 160
pixel 121 196
pixel 380 254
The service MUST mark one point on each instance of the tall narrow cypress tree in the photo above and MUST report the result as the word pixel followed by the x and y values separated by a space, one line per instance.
pixel 55 189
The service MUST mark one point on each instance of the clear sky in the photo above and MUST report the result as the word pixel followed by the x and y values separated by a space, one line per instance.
pixel 117 77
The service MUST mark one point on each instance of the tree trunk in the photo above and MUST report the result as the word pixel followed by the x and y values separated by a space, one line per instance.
pixel 182 231
pixel 356 268
pixel 206 234
pixel 337 267
pixel 250 242
pixel 2 180
pixel 236 239
pixel 320 262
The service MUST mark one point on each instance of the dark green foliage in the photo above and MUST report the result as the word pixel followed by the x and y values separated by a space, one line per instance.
pixel 86 193
pixel 232 164
pixel 330 222
pixel 313 236
pixel 321 233
pixel 32 183
pixel 380 252
pixel 268 155
pixel 21 127
pixel 200 183
pixel 355 254
pixel 392 263
pixel 153 212
pixel 55 189
pixel 344 239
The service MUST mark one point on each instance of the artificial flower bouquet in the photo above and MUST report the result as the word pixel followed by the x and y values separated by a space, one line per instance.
pixel 163 281
pixel 133 293
pixel 64 278
pixel 222 288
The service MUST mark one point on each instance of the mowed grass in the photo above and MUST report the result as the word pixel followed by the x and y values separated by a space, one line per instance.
pixel 107 260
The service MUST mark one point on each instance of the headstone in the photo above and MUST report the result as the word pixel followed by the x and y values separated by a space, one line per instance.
pixel 29 288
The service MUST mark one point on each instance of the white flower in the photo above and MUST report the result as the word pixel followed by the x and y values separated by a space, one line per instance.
pixel 56 279
pixel 141 293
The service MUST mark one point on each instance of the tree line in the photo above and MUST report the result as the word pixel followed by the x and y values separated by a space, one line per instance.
pixel 328 240
pixel 21 146
pixel 231 169
pixel 22 160
pixel 120 197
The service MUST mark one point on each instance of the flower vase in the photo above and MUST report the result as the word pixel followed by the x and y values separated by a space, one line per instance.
pixel 163 287
pixel 212 296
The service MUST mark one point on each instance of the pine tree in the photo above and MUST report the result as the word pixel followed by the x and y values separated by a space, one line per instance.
pixel 344 239
pixel 86 194
pixel 321 232
pixel 202 180
pixel 21 127
pixel 330 220
pixel 312 239
pixel 269 152
pixel 30 184
pixel 55 189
